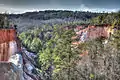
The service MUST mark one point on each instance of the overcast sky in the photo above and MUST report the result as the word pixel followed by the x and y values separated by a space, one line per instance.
pixel 19 6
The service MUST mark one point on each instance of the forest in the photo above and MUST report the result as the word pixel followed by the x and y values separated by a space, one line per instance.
pixel 58 59
pixel 53 14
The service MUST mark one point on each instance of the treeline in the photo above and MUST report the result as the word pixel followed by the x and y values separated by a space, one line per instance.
pixel 108 18
pixel 4 22
pixel 56 14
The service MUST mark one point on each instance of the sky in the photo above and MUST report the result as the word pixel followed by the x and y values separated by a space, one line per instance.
pixel 21 6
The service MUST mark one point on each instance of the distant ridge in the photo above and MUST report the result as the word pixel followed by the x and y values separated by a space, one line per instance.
pixel 55 14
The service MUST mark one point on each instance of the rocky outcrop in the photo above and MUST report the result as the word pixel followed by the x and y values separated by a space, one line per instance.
pixel 92 32
pixel 8 71
pixel 8 45
pixel 16 63
pixel 29 66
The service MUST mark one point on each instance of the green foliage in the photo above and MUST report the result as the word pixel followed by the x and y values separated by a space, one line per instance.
pixel 58 51
pixel 60 61
pixel 1 20
pixel 91 76
pixel 106 18
pixel 4 22
pixel 22 36
pixel 31 41
pixel 35 45
pixel 116 39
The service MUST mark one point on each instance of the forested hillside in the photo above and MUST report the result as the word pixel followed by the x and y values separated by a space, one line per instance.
pixel 58 59
pixel 31 20
pixel 56 14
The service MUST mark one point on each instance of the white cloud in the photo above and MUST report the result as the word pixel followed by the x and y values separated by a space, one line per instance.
pixel 85 8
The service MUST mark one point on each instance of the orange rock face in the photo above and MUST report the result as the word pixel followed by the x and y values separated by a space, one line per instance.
pixel 97 32
pixel 84 53
pixel 4 52
pixel 6 37
pixel 74 37
pixel 75 43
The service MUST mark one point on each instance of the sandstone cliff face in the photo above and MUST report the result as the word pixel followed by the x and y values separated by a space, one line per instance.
pixel 92 33
pixel 8 45
pixel 15 62
pixel 7 35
